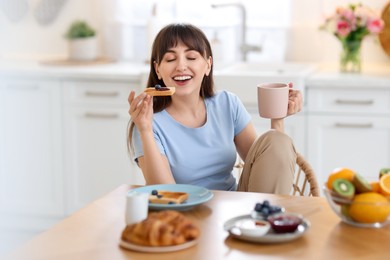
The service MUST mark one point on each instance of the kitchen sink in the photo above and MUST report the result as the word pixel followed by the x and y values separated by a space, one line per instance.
pixel 242 78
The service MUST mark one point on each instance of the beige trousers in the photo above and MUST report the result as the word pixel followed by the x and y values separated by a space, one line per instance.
pixel 270 165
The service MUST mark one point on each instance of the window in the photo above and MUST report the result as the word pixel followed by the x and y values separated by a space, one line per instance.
pixel 266 24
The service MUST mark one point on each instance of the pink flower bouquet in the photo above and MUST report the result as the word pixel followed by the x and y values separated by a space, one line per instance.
pixel 350 25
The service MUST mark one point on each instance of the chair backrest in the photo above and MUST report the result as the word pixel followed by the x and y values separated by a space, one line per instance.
pixel 305 182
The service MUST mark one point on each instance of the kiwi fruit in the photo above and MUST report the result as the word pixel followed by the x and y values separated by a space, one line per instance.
pixel 361 184
pixel 343 188
pixel 384 171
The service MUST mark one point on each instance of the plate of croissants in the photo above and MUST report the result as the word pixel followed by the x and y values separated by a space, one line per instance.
pixel 162 231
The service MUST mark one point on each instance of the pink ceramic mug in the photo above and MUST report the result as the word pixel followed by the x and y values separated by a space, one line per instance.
pixel 272 100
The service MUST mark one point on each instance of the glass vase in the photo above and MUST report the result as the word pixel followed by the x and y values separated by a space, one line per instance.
pixel 350 58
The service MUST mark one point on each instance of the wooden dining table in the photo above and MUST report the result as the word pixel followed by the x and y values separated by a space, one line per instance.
pixel 94 232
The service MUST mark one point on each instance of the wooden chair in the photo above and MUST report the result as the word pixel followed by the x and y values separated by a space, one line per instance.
pixel 305 182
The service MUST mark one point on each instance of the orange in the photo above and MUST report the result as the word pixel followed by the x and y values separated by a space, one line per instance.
pixel 375 186
pixel 369 207
pixel 340 173
pixel 384 183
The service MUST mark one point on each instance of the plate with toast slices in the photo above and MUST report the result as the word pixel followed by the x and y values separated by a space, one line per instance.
pixel 179 197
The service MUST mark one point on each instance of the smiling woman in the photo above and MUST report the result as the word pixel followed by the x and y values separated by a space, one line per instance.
pixel 193 136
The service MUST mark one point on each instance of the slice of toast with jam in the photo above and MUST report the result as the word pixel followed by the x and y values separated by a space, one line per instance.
pixel 160 91
pixel 167 197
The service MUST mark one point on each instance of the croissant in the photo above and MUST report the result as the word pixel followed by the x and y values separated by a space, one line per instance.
pixel 164 228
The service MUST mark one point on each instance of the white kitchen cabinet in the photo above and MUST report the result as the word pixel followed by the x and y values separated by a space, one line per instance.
pixel 96 157
pixel 356 142
pixel 348 127
pixel 31 184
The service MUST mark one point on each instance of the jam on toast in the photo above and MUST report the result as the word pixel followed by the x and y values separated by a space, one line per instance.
pixel 160 91
pixel 168 197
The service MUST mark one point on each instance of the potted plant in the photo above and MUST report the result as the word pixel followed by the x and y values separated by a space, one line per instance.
pixel 82 41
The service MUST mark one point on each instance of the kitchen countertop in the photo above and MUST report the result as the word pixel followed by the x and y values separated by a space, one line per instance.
pixel 373 75
pixel 326 74
pixel 107 71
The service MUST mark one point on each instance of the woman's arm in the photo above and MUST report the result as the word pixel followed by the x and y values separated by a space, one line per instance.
pixel 155 166
pixel 244 140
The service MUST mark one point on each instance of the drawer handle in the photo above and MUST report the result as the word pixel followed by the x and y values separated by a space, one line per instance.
pixel 101 94
pixel 101 115
pixel 351 125
pixel 354 102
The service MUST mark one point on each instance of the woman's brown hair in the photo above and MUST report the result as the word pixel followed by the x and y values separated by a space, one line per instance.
pixel 170 36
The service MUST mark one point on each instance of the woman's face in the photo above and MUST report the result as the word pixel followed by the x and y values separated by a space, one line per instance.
pixel 183 68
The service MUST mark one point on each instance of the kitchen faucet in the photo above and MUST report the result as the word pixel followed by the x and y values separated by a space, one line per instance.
pixel 245 47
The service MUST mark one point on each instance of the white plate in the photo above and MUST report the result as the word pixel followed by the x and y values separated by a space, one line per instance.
pixel 196 195
pixel 157 249
pixel 269 237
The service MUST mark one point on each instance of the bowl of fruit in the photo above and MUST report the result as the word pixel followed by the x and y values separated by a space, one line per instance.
pixel 357 201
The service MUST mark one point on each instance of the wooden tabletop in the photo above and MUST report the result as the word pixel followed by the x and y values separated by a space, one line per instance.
pixel 94 233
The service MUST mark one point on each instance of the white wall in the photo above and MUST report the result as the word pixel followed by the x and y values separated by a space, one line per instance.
pixel 298 39
pixel 26 38
pixel 307 43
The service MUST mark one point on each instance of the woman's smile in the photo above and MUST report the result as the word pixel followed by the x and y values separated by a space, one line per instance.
pixel 182 79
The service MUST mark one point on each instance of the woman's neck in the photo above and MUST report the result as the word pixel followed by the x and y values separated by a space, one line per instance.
pixel 189 112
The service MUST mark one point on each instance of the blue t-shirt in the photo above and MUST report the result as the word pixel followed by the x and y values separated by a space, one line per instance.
pixel 202 156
